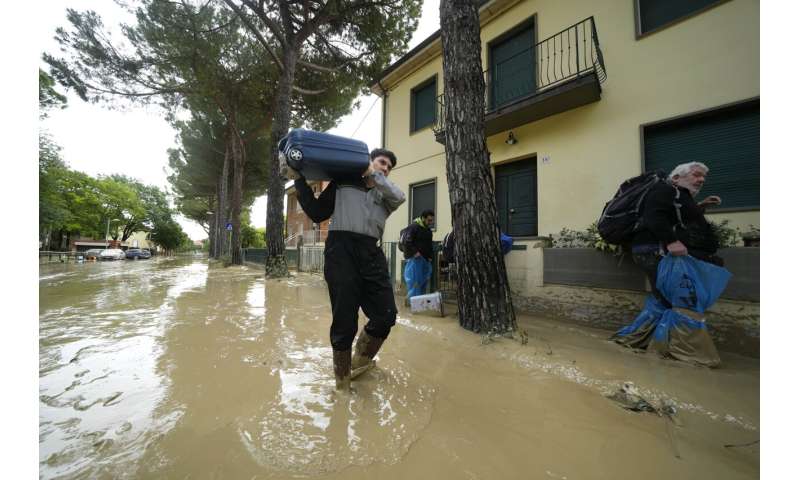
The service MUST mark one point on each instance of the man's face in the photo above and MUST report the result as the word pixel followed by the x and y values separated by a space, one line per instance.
pixel 692 181
pixel 429 220
pixel 382 164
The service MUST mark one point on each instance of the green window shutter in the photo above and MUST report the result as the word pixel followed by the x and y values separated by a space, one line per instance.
pixel 423 106
pixel 512 74
pixel 726 141
pixel 656 13
pixel 423 197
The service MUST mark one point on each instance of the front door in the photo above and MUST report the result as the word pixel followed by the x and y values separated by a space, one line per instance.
pixel 515 192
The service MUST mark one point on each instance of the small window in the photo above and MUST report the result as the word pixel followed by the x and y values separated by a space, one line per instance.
pixel 423 197
pixel 423 105
pixel 653 15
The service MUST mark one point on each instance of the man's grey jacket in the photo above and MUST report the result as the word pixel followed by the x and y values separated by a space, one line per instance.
pixel 351 206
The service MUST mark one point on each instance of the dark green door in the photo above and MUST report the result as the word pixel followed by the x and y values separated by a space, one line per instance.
pixel 512 73
pixel 726 141
pixel 515 191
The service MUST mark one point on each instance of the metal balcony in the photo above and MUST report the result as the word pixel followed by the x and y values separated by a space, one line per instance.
pixel 557 74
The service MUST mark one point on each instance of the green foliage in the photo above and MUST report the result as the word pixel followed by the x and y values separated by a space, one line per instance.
pixel 49 98
pixel 52 206
pixel 200 57
pixel 253 237
pixel 169 235
pixel 589 238
pixel 726 235
pixel 73 202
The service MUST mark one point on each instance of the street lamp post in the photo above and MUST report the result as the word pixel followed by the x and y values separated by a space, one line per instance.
pixel 211 231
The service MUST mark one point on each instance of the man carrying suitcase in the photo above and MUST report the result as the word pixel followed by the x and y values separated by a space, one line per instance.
pixel 356 270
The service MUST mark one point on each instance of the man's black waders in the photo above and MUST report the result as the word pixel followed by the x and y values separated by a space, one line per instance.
pixel 358 276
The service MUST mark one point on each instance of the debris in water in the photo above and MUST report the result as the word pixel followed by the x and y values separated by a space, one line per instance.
pixel 737 445
pixel 629 398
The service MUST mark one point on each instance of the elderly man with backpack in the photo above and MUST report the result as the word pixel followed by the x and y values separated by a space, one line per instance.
pixel 673 222
pixel 660 218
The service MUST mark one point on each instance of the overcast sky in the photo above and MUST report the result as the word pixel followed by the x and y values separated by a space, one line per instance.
pixel 134 141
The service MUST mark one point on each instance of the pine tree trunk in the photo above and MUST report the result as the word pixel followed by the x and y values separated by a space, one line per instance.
pixel 239 158
pixel 222 206
pixel 484 297
pixel 276 265
pixel 212 228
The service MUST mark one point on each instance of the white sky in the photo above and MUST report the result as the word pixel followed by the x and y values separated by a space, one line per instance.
pixel 134 142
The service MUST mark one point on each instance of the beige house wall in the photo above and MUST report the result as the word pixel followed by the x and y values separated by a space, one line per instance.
pixel 141 237
pixel 705 61
pixel 708 60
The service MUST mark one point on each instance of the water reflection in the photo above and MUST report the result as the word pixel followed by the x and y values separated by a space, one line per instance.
pixel 99 383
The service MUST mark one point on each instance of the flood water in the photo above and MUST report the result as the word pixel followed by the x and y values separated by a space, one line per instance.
pixel 174 369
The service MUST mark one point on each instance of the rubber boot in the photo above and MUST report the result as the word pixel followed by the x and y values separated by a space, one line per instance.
pixel 367 347
pixel 341 369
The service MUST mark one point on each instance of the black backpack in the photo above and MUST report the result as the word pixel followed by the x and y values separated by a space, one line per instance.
pixel 449 248
pixel 405 235
pixel 620 218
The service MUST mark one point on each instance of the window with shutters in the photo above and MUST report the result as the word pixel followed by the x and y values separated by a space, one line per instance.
pixel 726 140
pixel 423 105
pixel 512 70
pixel 423 197
pixel 653 15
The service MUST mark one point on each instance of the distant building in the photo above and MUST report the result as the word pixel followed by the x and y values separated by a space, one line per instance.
pixel 298 225
pixel 136 240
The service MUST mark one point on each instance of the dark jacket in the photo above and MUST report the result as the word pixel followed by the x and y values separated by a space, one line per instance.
pixel 420 239
pixel 351 206
pixel 661 224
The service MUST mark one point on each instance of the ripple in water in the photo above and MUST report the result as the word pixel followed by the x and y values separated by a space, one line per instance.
pixel 309 429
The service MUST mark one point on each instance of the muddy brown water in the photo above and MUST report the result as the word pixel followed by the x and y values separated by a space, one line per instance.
pixel 175 369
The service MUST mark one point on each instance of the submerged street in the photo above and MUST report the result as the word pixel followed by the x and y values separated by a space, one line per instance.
pixel 174 368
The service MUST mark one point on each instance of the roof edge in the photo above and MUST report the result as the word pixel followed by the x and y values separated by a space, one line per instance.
pixel 413 52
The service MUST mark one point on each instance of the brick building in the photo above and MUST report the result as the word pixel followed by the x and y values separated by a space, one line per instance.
pixel 297 222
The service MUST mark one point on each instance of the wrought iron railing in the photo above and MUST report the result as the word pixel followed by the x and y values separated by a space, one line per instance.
pixel 568 55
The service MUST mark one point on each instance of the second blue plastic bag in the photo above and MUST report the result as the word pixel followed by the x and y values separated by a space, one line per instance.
pixel 416 274
pixel 687 282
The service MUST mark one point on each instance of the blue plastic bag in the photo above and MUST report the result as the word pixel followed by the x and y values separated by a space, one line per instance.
pixel 506 243
pixel 687 282
pixel 651 313
pixel 416 274
pixel 671 320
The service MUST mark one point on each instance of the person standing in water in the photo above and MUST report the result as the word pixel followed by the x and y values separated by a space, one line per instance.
pixel 355 269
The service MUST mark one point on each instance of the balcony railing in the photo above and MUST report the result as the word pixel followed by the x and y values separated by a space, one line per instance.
pixel 570 54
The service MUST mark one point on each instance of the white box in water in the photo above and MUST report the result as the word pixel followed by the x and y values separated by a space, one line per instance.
pixel 431 302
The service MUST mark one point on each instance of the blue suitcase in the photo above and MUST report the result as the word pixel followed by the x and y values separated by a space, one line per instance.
pixel 322 156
